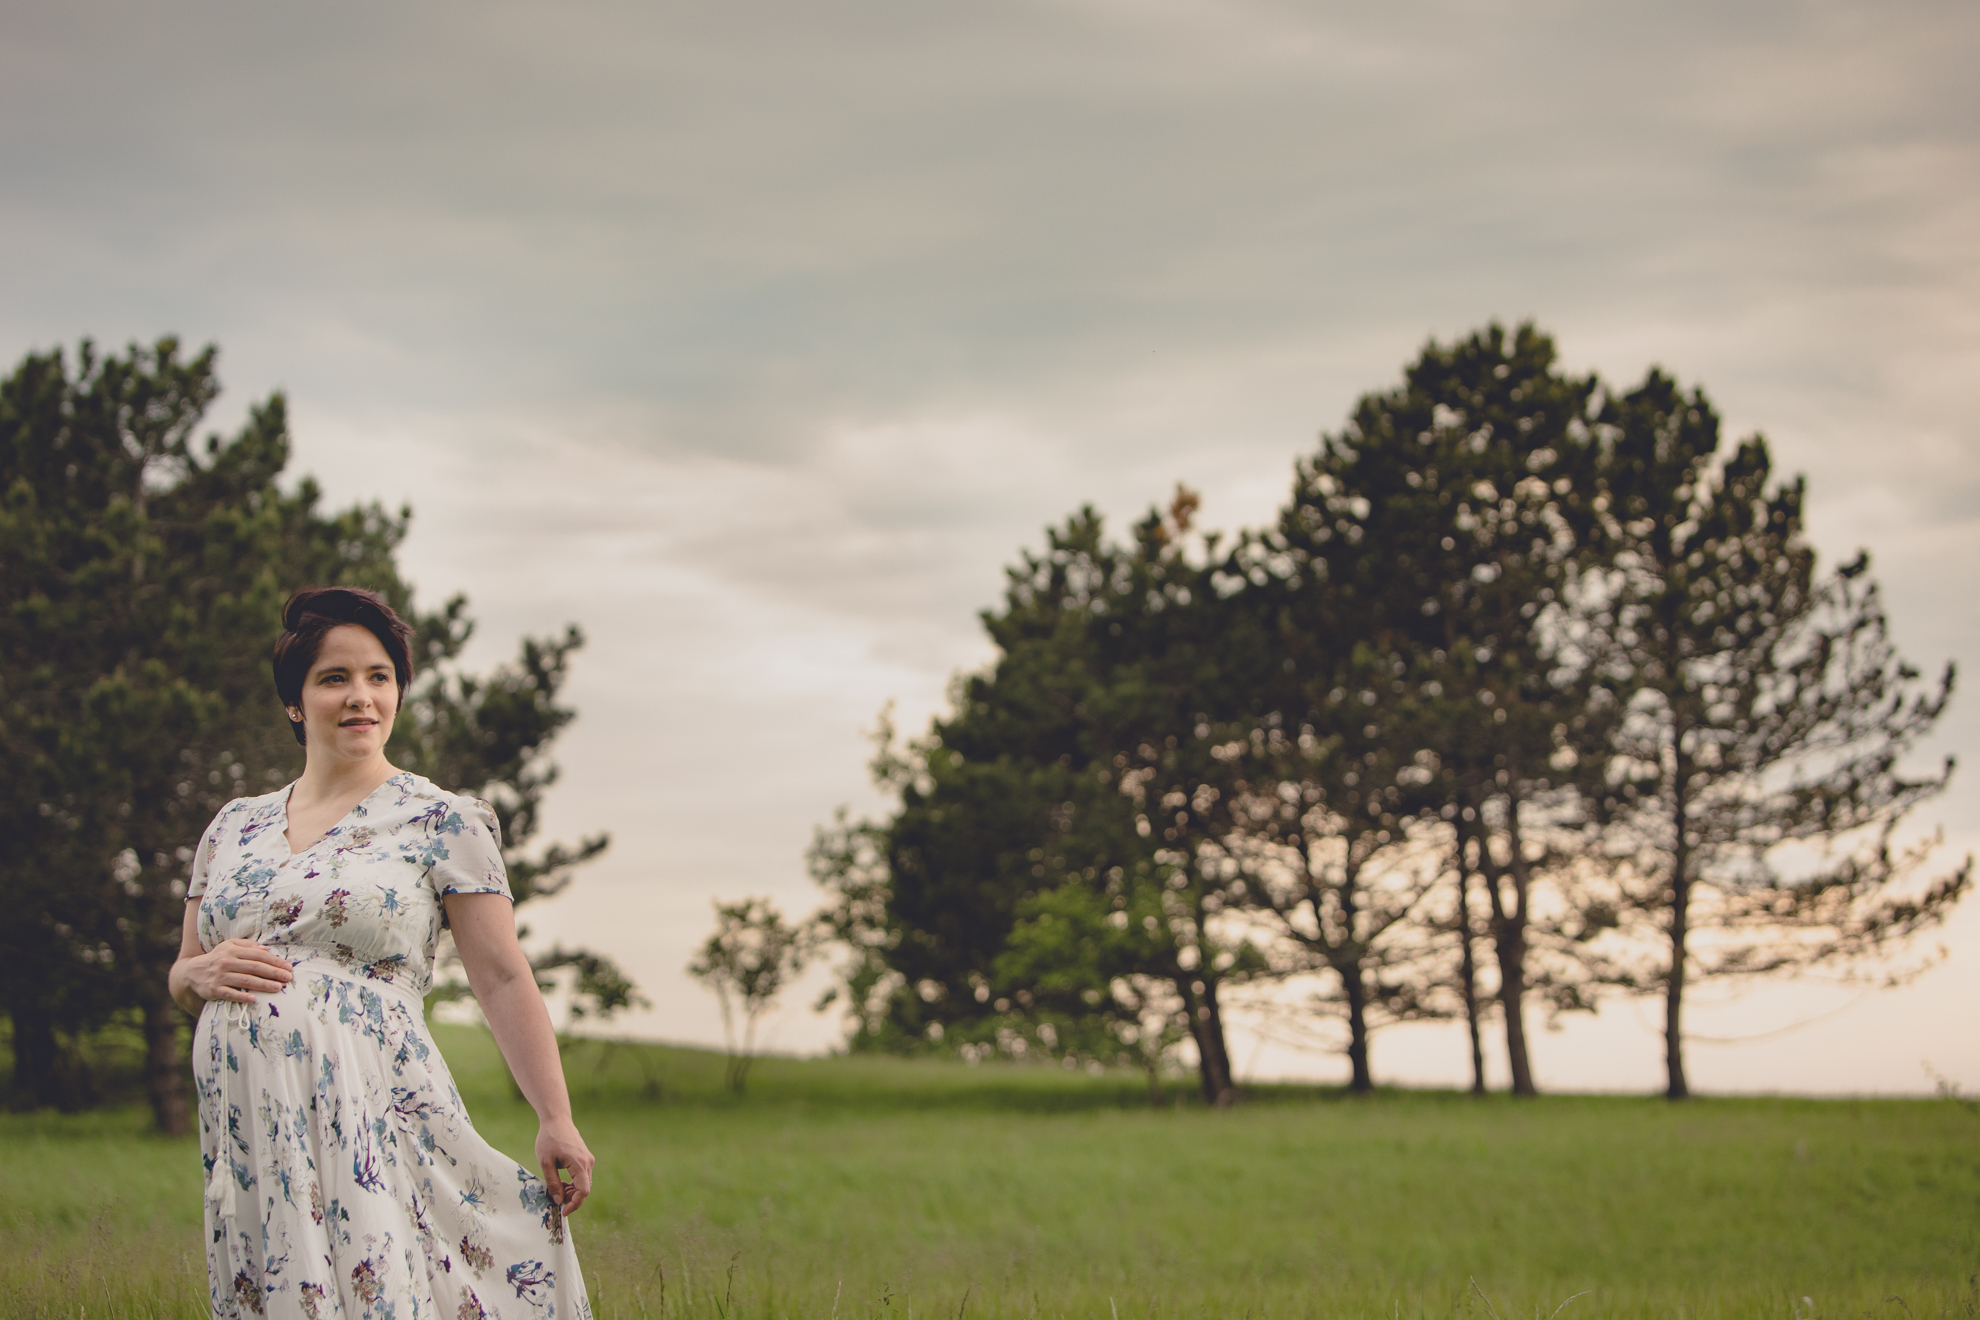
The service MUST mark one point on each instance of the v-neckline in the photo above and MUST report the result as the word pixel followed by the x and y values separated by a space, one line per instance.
pixel 338 824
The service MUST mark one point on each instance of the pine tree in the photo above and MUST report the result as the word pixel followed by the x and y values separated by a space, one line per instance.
pixel 1332 851
pixel 144 573
pixel 1768 709
pixel 1073 800
pixel 1431 554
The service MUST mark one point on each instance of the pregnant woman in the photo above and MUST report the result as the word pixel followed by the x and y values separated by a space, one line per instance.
pixel 343 1177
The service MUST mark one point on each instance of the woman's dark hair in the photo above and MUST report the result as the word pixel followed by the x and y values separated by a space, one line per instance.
pixel 314 611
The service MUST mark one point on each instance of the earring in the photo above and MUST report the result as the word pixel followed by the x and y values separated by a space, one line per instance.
pixel 295 716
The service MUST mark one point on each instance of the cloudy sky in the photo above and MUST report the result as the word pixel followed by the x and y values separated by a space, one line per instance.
pixel 757 337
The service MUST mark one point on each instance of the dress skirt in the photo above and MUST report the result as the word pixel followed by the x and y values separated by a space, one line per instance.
pixel 343 1177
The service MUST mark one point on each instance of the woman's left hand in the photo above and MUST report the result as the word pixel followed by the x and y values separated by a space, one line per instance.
pixel 558 1143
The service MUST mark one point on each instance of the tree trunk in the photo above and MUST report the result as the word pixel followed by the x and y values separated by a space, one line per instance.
pixel 1509 944
pixel 1348 960
pixel 1468 973
pixel 1362 1081
pixel 1676 1087
pixel 164 1067
pixel 1206 1028
pixel 1213 1023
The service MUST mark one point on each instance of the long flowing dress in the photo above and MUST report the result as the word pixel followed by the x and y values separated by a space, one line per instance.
pixel 343 1175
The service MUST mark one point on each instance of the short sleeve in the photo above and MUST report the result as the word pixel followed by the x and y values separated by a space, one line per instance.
pixel 471 839
pixel 209 842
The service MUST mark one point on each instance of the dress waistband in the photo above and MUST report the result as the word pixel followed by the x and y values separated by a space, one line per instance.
pixel 386 975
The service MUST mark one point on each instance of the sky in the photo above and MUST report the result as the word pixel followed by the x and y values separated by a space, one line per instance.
pixel 757 338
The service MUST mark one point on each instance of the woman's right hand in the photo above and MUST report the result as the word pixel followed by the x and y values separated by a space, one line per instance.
pixel 234 971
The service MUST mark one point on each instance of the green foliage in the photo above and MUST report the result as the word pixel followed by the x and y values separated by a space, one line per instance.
pixel 141 579
pixel 598 988
pixel 1433 549
pixel 836 1183
pixel 490 736
pixel 747 962
pixel 1523 662
pixel 1767 707
pixel 1054 879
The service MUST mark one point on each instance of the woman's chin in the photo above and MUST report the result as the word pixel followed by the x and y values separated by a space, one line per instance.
pixel 359 744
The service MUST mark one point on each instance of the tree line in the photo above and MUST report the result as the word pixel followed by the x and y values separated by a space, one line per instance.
pixel 142 572
pixel 1533 693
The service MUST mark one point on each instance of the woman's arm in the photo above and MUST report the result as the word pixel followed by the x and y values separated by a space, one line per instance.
pixel 232 971
pixel 484 928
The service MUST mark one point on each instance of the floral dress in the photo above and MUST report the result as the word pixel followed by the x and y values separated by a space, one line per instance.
pixel 343 1177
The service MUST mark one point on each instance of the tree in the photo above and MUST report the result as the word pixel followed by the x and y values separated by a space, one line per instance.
pixel 1343 878
pixel 1168 693
pixel 1093 962
pixel 1446 530
pixel 1081 760
pixel 490 736
pixel 1519 664
pixel 1768 711
pixel 134 561
pixel 598 989
pixel 142 582
pixel 747 962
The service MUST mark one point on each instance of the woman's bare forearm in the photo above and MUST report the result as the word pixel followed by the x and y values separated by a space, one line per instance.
pixel 178 981
pixel 521 1026
pixel 179 984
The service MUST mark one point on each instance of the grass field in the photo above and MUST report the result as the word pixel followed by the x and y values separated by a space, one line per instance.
pixel 884 1190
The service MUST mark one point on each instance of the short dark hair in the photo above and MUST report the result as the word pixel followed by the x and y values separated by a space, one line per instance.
pixel 314 611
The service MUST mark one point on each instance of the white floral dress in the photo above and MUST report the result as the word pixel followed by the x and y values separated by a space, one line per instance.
pixel 343 1175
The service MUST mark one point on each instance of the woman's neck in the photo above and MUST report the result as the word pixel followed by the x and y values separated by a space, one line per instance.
pixel 329 779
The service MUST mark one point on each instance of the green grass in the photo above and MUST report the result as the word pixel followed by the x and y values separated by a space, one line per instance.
pixel 865 1188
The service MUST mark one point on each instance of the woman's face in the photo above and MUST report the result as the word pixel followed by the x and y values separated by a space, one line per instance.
pixel 350 695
